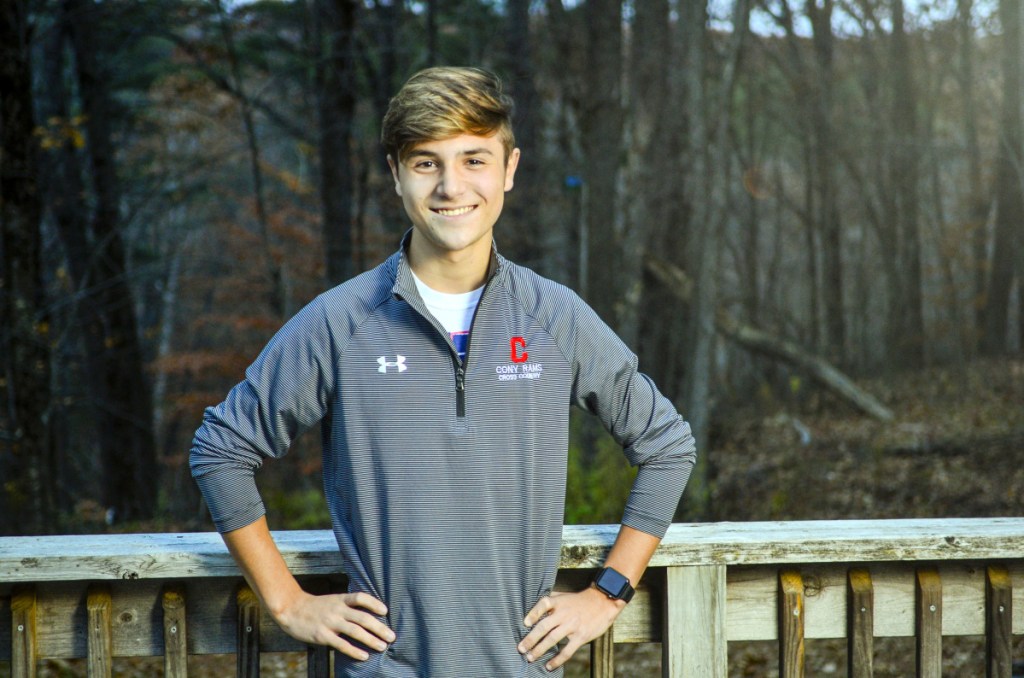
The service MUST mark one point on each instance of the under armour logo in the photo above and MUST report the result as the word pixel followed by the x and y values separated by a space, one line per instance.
pixel 384 364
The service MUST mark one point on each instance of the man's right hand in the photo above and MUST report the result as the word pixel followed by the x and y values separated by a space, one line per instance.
pixel 330 619
pixel 323 620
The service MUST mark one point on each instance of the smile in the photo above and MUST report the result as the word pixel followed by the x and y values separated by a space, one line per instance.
pixel 453 211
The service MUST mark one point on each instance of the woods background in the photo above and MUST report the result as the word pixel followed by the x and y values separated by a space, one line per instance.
pixel 769 200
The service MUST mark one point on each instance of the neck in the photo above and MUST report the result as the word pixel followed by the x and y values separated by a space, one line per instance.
pixel 450 272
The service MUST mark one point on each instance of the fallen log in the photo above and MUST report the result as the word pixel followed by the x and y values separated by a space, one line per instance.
pixel 759 341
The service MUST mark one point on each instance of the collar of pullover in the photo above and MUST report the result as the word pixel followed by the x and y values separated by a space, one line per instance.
pixel 405 286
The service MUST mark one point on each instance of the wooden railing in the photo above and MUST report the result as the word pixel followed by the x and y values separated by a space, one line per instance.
pixel 176 595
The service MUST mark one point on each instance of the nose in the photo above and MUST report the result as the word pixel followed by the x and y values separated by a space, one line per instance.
pixel 451 184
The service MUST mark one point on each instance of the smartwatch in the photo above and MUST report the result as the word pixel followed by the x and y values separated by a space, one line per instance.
pixel 614 584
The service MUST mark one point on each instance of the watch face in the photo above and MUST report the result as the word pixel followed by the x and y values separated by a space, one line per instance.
pixel 611 582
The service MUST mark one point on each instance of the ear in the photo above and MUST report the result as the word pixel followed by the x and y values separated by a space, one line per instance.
pixel 510 169
pixel 394 174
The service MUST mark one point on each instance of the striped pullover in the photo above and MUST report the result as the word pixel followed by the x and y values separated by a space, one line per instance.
pixel 445 480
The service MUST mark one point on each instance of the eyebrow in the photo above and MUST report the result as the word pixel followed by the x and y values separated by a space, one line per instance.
pixel 423 153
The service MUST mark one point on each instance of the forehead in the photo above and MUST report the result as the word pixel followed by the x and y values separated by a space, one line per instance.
pixel 463 144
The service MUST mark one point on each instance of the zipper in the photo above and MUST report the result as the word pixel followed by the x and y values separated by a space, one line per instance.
pixel 460 389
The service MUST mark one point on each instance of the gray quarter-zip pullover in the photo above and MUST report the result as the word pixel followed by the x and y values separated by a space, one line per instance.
pixel 445 479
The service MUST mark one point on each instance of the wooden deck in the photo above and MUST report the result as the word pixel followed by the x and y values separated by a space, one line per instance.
pixel 172 595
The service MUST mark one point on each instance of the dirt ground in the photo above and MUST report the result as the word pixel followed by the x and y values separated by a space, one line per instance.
pixel 954 450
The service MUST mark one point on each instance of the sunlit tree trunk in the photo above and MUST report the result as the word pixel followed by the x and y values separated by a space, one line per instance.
pixel 26 494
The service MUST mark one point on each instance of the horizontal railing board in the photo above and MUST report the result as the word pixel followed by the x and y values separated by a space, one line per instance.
pixel 751 608
pixel 202 554
pixel 211 615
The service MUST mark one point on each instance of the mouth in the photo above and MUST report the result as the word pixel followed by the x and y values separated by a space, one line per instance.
pixel 453 211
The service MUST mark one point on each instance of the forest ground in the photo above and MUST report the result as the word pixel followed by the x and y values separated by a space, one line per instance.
pixel 953 450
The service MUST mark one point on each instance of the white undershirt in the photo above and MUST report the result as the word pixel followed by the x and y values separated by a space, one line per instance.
pixel 453 311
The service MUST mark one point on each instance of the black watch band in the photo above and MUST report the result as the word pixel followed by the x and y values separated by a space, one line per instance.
pixel 614 584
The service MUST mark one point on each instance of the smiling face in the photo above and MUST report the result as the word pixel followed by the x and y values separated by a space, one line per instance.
pixel 453 191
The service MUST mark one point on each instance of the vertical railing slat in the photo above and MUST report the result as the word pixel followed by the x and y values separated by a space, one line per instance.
pixel 998 622
pixel 248 664
pixel 602 655
pixel 318 661
pixel 693 633
pixel 100 659
pixel 928 623
pixel 23 632
pixel 175 636
pixel 791 625
pixel 860 624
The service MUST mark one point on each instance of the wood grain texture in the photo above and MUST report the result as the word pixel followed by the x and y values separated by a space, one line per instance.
pixel 860 615
pixel 602 655
pixel 694 642
pixel 998 616
pixel 175 631
pixel 100 657
pixel 928 615
pixel 195 555
pixel 791 624
pixel 23 632
pixel 248 652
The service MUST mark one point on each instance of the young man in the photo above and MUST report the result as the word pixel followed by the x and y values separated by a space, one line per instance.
pixel 442 381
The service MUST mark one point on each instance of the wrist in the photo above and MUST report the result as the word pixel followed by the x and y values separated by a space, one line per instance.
pixel 613 603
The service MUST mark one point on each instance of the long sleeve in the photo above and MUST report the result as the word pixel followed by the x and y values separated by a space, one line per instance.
pixel 286 391
pixel 653 435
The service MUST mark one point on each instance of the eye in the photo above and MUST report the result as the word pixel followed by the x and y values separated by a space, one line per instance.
pixel 425 165
pixel 475 162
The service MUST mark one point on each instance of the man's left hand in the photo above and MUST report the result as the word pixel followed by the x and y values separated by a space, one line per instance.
pixel 575 617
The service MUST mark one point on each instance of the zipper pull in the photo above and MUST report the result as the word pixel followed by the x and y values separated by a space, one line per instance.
pixel 460 392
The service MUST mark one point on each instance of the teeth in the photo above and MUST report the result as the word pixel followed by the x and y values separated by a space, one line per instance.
pixel 454 212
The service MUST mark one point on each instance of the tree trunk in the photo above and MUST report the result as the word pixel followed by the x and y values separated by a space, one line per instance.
pixel 701 251
pixel 907 314
pixel 601 123
pixel 125 410
pixel 26 492
pixel 753 339
pixel 278 298
pixel 824 173
pixel 519 232
pixel 1009 227
pixel 336 98
pixel 652 156
pixel 977 199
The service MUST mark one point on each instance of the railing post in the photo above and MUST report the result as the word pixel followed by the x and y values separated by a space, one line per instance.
pixel 175 638
pixel 693 643
pixel 23 632
pixel 602 655
pixel 248 664
pixel 860 624
pixel 928 616
pixel 100 644
pixel 998 622
pixel 791 625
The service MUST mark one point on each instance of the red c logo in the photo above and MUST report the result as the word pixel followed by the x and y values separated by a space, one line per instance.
pixel 516 344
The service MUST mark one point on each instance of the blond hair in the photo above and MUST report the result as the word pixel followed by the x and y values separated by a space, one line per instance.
pixel 443 102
